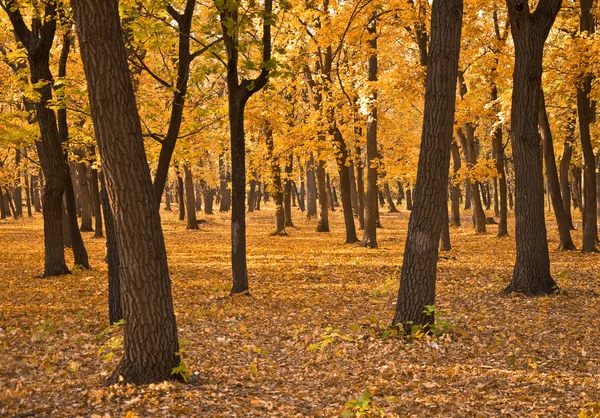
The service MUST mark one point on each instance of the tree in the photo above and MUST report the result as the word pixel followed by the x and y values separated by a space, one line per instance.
pixel 531 274
pixel 418 276
pixel 150 331
pixel 239 92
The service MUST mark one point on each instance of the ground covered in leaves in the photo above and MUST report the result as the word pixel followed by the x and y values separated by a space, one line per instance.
pixel 313 337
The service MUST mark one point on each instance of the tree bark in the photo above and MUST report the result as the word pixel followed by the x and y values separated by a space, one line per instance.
pixel 565 161
pixel 180 194
pixel 288 192
pixel 342 159
pixel 371 208
pixel 277 188
pixel 455 218
pixel 311 189
pixel 564 230
pixel 190 199
pixel 418 276
pixel 150 331
pixel 96 205
pixel 388 197
pixel 531 274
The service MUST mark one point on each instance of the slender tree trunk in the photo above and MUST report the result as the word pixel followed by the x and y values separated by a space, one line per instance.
pixel 225 201
pixel 311 189
pixel 209 195
pixel 323 225
pixel 180 195
pixel 28 194
pixel 371 208
pixel 565 187
pixel 353 190
pixel 259 187
pixel 455 218
pixel 345 186
pixel 409 200
pixel 190 199
pixel 18 189
pixel 85 197
pixel 418 277
pixel 360 188
pixel 252 196
pixel 150 331
pixel 531 274
pixel 564 230
pixel 288 192
pixel 469 148
pixel 96 205
pixel 330 193
pixel 388 197
pixel 198 193
pixel 277 189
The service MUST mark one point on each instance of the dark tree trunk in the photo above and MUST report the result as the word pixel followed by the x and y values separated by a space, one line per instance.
pixel 353 190
pixel 38 45
pixel 577 188
pixel 499 160
pixel 85 197
pixel 259 187
pixel 180 196
pixel 311 189
pixel 252 196
pixel 409 200
pixel 388 197
pixel 79 252
pixel 2 205
pixel 190 199
pixel 467 139
pixel 400 193
pixel 564 230
pixel 330 193
pixel 323 225
pixel 345 186
pixel 10 203
pixel 184 59
pixel 150 331
pixel 18 189
pixel 531 274
pixel 35 194
pixel 565 161
pixel 115 311
pixel 96 205
pixel 418 277
pixel 198 193
pixel 455 218
pixel 288 192
pixel 294 195
pixel 371 208
pixel 381 197
pixel 65 227
pixel 277 190
pixel 445 244
pixel 360 188
pixel 302 195
pixel 168 197
pixel 28 195
pixel 209 195
pixel 224 195
pixel 467 193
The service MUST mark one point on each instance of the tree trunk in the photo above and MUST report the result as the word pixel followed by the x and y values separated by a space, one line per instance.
pixel 18 189
pixel 225 197
pixel 180 195
pixel 209 195
pixel 330 193
pixel 198 193
pixel 96 205
pixel 79 252
pixel 277 188
pixel 150 331
pixel 418 277
pixel 371 208
pixel 455 218
pixel 565 161
pixel 353 190
pixel 288 192
pixel 564 230
pixel 360 188
pixel 252 196
pixel 311 189
pixel 323 225
pixel 28 194
pixel 409 201
pixel 190 199
pixel 259 187
pixel 499 160
pixel 388 197
pixel 115 310
pixel 531 274
pixel 467 139
pixel 168 197
pixel 345 186
pixel 85 197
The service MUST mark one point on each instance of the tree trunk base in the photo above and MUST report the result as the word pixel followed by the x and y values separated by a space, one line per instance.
pixel 56 271
pixel 283 233
pixel 368 242
pixel 126 373
pixel 322 228
pixel 543 288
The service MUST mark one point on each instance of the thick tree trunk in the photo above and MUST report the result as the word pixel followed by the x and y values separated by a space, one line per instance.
pixel 85 198
pixel 418 277
pixel 150 331
pixel 252 196
pixel 409 200
pixel 531 274
pixel 208 194
pixel 190 199
pixel 564 230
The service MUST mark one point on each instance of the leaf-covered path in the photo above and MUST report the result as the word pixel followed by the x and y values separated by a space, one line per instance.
pixel 312 337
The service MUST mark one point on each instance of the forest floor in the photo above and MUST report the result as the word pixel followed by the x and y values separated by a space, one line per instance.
pixel 312 339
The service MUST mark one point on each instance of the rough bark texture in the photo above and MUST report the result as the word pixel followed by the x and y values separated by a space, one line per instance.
pixel 565 161
pixel 96 205
pixel 418 277
pixel 499 160
pixel 311 189
pixel 115 310
pixel 388 197
pixel 343 164
pixel 564 230
pixel 323 225
pixel 150 330
pixel 531 274
pixel 180 196
pixel 469 146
